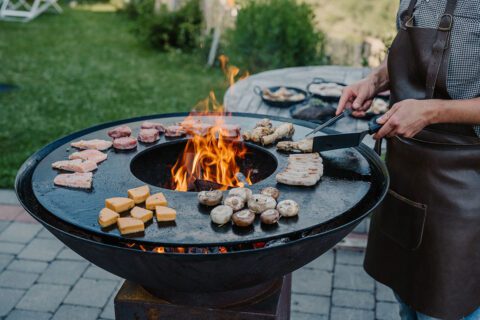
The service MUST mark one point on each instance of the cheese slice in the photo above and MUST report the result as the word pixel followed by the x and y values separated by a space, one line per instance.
pixel 157 199
pixel 141 214
pixel 107 217
pixel 130 225
pixel 165 214
pixel 139 194
pixel 119 204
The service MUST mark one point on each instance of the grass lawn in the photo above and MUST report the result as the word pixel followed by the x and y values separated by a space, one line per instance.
pixel 78 69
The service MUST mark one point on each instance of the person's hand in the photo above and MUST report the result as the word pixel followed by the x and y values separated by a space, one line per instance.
pixel 406 118
pixel 358 97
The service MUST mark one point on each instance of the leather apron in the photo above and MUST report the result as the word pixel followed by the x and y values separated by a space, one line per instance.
pixel 424 239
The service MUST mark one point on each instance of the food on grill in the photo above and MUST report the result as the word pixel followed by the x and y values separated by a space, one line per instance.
pixel 259 203
pixel 234 202
pixel 284 131
pixel 200 129
pixel 230 130
pixel 305 145
pixel 288 208
pixel 327 89
pixel 140 194
pixel 189 122
pixel 141 214
pixel 76 165
pixel 119 204
pixel 125 143
pixel 118 132
pixel 243 218
pixel 74 180
pixel 282 94
pixel 302 170
pixel 175 131
pixel 130 225
pixel 378 106
pixel 157 199
pixel 265 122
pixel 148 135
pixel 92 155
pixel 210 198
pixel 221 214
pixel 107 217
pixel 96 144
pixel 271 191
pixel 165 214
pixel 270 216
pixel 241 192
pixel 257 133
pixel 153 125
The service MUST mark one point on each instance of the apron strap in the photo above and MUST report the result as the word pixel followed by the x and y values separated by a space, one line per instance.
pixel 407 14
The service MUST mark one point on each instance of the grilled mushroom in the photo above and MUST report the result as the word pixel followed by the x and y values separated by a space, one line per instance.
pixel 259 203
pixel 221 214
pixel 288 208
pixel 270 216
pixel 271 191
pixel 243 193
pixel 210 198
pixel 243 218
pixel 234 202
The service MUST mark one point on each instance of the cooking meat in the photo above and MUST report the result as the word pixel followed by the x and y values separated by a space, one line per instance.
pixel 148 135
pixel 175 131
pixel 243 218
pixel 74 180
pixel 189 123
pixel 271 191
pixel 288 208
pixel 92 155
pixel 153 125
pixel 221 214
pixel 234 202
pixel 285 130
pixel 118 132
pixel 76 165
pixel 125 143
pixel 257 133
pixel 210 198
pixel 270 216
pixel 259 203
pixel 96 144
pixel 327 89
pixel 302 170
pixel 243 193
pixel 265 122
pixel 305 145
pixel 200 129
pixel 230 130
pixel 283 94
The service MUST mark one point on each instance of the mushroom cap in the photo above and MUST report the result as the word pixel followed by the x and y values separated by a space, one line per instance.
pixel 221 214
pixel 244 193
pixel 270 216
pixel 243 218
pixel 259 203
pixel 235 202
pixel 271 191
pixel 288 208
pixel 210 198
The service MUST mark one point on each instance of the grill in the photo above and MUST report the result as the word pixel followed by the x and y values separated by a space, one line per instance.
pixel 200 260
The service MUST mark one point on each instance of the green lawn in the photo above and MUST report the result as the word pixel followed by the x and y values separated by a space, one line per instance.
pixel 78 69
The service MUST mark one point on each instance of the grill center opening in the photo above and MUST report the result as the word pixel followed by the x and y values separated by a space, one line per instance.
pixel 154 166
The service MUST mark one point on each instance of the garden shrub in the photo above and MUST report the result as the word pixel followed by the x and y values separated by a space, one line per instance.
pixel 273 34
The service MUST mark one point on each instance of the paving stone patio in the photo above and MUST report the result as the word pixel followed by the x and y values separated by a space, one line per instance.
pixel 42 279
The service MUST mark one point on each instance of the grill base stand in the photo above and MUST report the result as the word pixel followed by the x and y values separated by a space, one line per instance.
pixel 134 302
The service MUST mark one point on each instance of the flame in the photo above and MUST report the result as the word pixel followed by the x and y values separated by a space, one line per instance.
pixel 159 249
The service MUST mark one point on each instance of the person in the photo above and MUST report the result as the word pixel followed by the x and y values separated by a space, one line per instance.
pixel 424 239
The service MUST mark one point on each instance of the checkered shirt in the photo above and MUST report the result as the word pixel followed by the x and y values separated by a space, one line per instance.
pixel 463 80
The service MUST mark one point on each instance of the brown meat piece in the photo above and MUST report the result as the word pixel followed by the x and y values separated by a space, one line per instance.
pixel 118 132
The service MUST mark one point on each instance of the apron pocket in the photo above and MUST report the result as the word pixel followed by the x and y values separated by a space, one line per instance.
pixel 402 220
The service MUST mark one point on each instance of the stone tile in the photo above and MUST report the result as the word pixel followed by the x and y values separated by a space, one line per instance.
pixel 352 277
pixel 8 196
pixel 20 232
pixel 310 304
pixel 8 299
pixel 387 311
pixel 63 272
pixel 353 299
pixel 45 234
pixel 11 247
pixel 69 254
pixel 43 297
pixel 324 262
pixel 76 312
pixel 9 212
pixel 3 225
pixel 361 227
pixel 109 310
pixel 94 272
pixel 25 217
pixel 5 260
pixel 307 316
pixel 27 315
pixel 384 293
pixel 17 279
pixel 351 314
pixel 350 257
pixel 312 281
pixel 28 266
pixel 41 249
pixel 92 293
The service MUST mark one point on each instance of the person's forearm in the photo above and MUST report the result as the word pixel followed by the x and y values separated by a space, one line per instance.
pixel 455 111
pixel 379 76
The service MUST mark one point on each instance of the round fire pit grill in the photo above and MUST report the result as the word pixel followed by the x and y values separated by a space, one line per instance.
pixel 354 182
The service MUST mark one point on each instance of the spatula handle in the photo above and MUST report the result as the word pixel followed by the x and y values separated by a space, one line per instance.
pixel 373 126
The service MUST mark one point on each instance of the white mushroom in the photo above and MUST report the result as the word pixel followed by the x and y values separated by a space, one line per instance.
pixel 234 202
pixel 243 218
pixel 288 208
pixel 271 191
pixel 243 193
pixel 221 214
pixel 210 198
pixel 259 203
pixel 270 216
